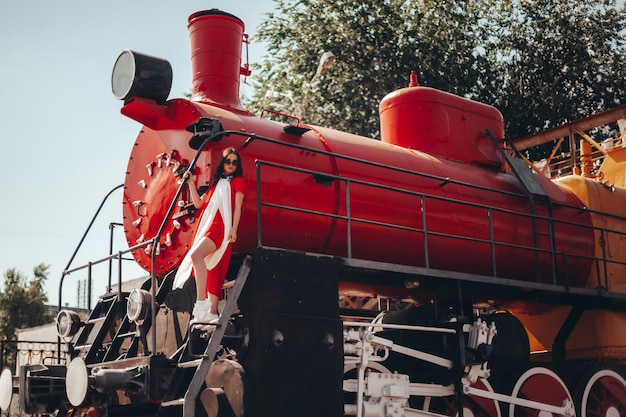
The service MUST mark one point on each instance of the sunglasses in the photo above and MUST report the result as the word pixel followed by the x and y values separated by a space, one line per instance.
pixel 234 162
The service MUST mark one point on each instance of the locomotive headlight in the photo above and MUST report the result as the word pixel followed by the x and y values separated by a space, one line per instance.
pixel 140 75
pixel 6 389
pixel 138 305
pixel 68 324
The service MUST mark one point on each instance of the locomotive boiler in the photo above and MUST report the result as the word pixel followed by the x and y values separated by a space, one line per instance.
pixel 507 287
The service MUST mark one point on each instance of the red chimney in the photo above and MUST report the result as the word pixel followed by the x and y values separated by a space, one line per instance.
pixel 216 39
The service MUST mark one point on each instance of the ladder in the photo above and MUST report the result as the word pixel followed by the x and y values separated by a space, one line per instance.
pixel 202 365
pixel 100 322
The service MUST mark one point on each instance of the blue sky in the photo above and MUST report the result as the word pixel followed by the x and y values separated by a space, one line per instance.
pixel 65 143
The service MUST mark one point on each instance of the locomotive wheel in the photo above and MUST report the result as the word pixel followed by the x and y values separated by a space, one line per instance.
pixel 540 385
pixel 472 406
pixel 604 395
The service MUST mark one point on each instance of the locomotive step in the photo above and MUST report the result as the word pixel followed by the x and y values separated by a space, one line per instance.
pixel 81 347
pixel 110 297
pixel 181 401
pixel 173 403
pixel 204 326
pixel 96 320
pixel 191 364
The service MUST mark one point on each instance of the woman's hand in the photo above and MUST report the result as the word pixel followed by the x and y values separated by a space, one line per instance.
pixel 187 178
pixel 196 199
pixel 232 236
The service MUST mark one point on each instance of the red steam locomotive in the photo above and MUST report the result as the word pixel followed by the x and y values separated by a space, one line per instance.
pixel 507 287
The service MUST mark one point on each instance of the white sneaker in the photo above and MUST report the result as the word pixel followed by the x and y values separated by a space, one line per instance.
pixel 212 318
pixel 200 311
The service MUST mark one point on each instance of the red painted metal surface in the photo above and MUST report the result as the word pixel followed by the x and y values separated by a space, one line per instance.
pixel 216 39
pixel 151 182
pixel 441 124
pixel 461 220
pixel 446 209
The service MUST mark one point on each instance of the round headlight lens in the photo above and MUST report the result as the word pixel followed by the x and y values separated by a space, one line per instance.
pixel 123 75
pixel 6 389
pixel 141 75
pixel 138 305
pixel 68 323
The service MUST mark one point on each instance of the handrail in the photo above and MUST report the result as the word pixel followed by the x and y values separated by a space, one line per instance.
pixel 89 266
pixel 210 136
pixel 112 230
pixel 80 243
pixel 443 180
pixel 555 254
pixel 154 241
pixel 27 348
pixel 441 198
pixel 110 257
pixel 69 263
pixel 566 162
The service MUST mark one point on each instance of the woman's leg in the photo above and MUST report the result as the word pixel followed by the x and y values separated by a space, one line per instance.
pixel 214 299
pixel 204 248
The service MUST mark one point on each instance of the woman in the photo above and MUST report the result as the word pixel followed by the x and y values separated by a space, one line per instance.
pixel 215 233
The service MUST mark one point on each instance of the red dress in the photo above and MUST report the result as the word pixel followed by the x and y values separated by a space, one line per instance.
pixel 215 232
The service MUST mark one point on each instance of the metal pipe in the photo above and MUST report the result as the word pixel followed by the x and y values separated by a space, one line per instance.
pixel 80 243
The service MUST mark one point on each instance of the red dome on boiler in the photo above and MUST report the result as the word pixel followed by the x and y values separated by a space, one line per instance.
pixel 441 124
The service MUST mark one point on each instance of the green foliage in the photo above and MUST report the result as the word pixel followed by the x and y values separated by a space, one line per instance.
pixel 561 60
pixel 22 303
pixel 541 62
pixel 376 43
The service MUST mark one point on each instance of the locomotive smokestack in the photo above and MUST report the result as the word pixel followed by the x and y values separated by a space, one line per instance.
pixel 216 39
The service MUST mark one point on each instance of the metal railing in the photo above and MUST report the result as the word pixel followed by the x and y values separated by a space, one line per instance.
pixel 15 353
pixel 67 271
pixel 560 164
pixel 601 264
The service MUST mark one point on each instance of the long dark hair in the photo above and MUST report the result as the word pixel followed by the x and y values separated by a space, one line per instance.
pixel 219 169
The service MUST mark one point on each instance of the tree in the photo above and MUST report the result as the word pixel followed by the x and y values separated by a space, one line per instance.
pixel 559 60
pixel 22 303
pixel 377 44
pixel 540 62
